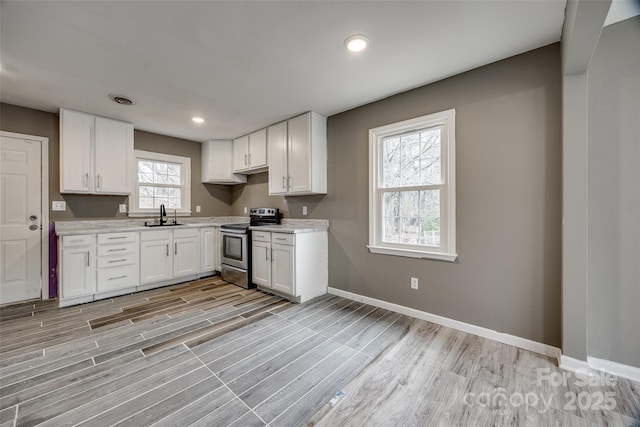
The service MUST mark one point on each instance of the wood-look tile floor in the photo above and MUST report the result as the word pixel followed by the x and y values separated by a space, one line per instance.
pixel 207 353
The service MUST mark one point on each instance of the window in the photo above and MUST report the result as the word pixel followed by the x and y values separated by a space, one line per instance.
pixel 412 204
pixel 161 179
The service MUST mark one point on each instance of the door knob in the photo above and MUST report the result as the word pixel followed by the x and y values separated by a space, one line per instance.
pixel 33 217
pixel 33 227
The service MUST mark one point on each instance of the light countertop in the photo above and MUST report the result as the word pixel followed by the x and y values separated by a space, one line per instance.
pixel 70 228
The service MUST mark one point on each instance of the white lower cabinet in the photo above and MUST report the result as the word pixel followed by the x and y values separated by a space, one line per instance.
pixel 292 265
pixel 208 249
pixel 96 266
pixel 186 252
pixel 156 258
pixel 117 261
pixel 77 267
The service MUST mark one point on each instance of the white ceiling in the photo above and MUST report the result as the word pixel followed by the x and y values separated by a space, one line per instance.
pixel 243 65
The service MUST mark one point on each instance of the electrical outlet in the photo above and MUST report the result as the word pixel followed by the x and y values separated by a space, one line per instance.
pixel 59 206
pixel 245 209
pixel 198 209
pixel 304 210
pixel 123 208
pixel 414 283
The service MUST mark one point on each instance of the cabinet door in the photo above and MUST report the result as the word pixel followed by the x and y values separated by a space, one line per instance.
pixel 76 141
pixel 78 273
pixel 283 268
pixel 261 263
pixel 156 261
pixel 217 254
pixel 186 256
pixel 113 156
pixel 258 149
pixel 207 249
pixel 299 129
pixel 217 163
pixel 241 154
pixel 277 148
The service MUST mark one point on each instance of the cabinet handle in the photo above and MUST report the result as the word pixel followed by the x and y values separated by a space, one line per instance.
pixel 98 182
pixel 86 180
pixel 280 238
pixel 284 182
pixel 175 249
pixel 117 250
pixel 119 237
pixel 117 277
pixel 117 260
pixel 266 254
pixel 290 181
pixel 273 256
pixel 245 159
pixel 88 259
pixel 167 249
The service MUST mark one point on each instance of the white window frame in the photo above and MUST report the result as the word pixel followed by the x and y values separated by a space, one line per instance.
pixel 185 162
pixel 447 249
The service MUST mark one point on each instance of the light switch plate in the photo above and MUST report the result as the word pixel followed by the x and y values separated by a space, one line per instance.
pixel 123 208
pixel 198 209
pixel 59 206
pixel 304 210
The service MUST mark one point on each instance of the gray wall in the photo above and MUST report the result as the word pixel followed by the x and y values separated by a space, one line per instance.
pixel 215 200
pixel 509 146
pixel 614 195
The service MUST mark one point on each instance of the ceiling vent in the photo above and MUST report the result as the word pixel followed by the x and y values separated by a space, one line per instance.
pixel 121 99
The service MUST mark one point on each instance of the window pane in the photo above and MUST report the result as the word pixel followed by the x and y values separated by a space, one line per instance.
pixel 430 217
pixel 391 177
pixel 145 177
pixel 174 203
pixel 409 204
pixel 173 169
pixel 390 232
pixel 160 168
pixel 173 180
pixel 145 166
pixel 145 191
pixel 431 153
pixel 409 231
pixel 146 202
pixel 391 150
pixel 391 204
pixel 160 201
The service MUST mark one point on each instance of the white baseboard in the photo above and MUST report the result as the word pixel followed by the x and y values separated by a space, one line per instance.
pixel 614 368
pixel 574 365
pixel 513 340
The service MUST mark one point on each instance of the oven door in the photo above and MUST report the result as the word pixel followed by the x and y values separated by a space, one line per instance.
pixel 234 250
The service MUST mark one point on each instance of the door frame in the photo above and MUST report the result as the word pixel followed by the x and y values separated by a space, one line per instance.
pixel 44 193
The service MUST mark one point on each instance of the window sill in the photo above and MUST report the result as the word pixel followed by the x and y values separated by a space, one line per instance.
pixel 155 213
pixel 411 253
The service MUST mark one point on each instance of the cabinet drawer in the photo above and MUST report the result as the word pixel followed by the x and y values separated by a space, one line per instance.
pixel 260 236
pixel 116 238
pixel 186 232
pixel 148 236
pixel 83 240
pixel 118 277
pixel 117 260
pixel 283 238
pixel 125 248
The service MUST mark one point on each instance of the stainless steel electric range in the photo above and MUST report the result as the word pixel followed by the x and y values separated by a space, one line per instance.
pixel 236 245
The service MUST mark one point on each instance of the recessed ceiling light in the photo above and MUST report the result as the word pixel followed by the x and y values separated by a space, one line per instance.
pixel 198 120
pixel 356 43
pixel 121 99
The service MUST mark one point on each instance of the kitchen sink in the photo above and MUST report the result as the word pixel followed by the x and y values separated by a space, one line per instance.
pixel 161 225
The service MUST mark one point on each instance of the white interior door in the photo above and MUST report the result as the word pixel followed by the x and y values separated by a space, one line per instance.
pixel 20 219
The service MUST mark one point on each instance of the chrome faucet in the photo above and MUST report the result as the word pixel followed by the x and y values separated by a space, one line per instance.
pixel 163 215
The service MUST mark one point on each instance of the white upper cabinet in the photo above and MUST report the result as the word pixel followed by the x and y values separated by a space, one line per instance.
pixel 96 154
pixel 250 153
pixel 217 167
pixel 114 156
pixel 298 156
